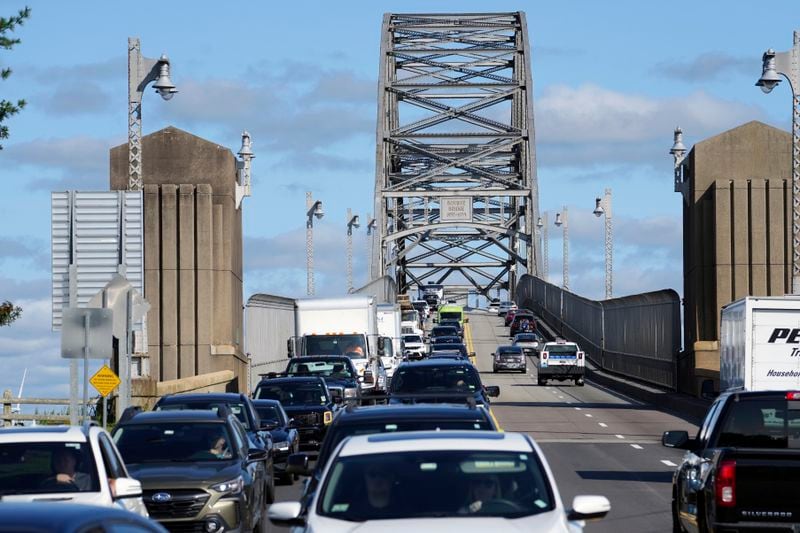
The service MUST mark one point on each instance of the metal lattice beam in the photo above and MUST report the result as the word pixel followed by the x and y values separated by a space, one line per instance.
pixel 455 173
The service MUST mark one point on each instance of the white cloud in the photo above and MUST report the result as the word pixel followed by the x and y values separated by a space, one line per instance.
pixel 708 66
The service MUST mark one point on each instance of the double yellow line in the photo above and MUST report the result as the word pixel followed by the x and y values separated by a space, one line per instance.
pixel 474 361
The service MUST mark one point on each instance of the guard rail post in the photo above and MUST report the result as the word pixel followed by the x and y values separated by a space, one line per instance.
pixel 7 408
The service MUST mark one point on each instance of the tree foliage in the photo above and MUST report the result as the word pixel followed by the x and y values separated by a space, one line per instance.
pixel 8 25
pixel 9 313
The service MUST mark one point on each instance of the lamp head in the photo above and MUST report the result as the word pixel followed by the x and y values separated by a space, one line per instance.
pixel 247 146
pixel 769 76
pixel 163 84
pixel 318 212
pixel 371 225
pixel 558 221
pixel 598 208
pixel 539 223
pixel 355 221
pixel 677 147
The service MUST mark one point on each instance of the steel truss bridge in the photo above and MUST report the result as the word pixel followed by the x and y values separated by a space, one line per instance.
pixel 456 195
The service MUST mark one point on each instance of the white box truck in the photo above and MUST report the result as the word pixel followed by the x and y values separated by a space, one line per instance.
pixel 389 328
pixel 760 344
pixel 342 326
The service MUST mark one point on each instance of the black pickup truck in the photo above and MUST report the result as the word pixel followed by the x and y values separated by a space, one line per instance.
pixel 742 470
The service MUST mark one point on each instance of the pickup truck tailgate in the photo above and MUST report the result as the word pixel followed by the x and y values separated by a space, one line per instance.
pixel 766 485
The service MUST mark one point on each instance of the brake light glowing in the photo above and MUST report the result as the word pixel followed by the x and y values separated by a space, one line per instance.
pixel 580 355
pixel 544 355
pixel 793 395
pixel 726 483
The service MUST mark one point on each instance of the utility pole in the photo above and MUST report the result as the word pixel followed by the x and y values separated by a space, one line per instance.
pixel 562 221
pixel 603 207
pixel 313 209
pixel 352 222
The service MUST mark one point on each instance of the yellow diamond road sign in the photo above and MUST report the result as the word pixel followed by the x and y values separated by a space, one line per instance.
pixel 105 380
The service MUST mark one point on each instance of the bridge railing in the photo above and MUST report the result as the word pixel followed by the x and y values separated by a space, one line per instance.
pixel 636 336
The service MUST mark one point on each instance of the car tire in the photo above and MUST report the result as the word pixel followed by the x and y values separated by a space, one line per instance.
pixel 579 382
pixel 524 370
pixel 269 492
pixel 676 523
pixel 263 523
pixel 541 382
pixel 494 370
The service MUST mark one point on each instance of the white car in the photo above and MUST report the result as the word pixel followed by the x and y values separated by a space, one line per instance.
pixel 444 481
pixel 505 307
pixel 66 463
pixel 414 346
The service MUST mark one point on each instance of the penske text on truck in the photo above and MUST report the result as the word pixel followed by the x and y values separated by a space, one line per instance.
pixel 760 344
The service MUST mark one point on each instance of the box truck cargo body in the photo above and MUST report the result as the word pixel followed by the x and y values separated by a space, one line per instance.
pixel 760 343
pixel 389 316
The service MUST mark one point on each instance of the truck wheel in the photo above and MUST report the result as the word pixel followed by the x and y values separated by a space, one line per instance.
pixel 579 382
pixel 541 382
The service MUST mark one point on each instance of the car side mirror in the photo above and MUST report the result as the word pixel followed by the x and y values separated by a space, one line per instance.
pixel 267 425
pixel 127 487
pixel 492 354
pixel 493 391
pixel 589 508
pixel 472 354
pixel 466 321
pixel 676 439
pixel 292 423
pixel 286 514
pixel 297 463
pixel 707 391
pixel 255 455
pixel 290 347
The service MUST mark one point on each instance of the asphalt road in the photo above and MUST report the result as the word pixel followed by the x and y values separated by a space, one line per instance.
pixel 595 440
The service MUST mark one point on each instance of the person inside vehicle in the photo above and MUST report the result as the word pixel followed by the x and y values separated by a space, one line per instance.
pixel 380 500
pixel 64 463
pixel 354 350
pixel 219 448
pixel 481 489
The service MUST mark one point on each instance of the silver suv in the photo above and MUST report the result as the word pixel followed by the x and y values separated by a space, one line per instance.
pixel 69 463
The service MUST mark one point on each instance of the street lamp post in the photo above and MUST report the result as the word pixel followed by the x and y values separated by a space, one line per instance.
pixel 372 225
pixel 352 223
pixel 542 225
pixel 142 71
pixel 773 66
pixel 562 221
pixel 313 209
pixel 603 207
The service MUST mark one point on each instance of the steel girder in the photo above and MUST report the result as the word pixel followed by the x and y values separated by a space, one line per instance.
pixel 456 193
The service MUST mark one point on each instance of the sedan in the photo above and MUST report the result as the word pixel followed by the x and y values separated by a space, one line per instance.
pixel 509 358
pixel 285 439
pixel 439 481
pixel 529 342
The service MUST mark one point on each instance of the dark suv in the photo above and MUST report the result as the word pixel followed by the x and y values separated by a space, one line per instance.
pixel 239 405
pixel 305 399
pixel 338 371
pixel 439 380
pixel 197 470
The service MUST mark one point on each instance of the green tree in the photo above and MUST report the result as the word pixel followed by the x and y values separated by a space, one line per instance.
pixel 9 313
pixel 7 25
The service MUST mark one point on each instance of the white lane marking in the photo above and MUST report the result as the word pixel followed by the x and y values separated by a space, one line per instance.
pixel 577 408
pixel 668 463
pixel 587 414
pixel 620 436
pixel 636 446
pixel 602 425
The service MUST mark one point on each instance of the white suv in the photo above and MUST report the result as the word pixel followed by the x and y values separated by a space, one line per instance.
pixel 66 463
pixel 439 481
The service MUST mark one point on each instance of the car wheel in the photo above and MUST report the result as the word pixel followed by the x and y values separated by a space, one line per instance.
pixel 579 382
pixel 541 382
pixel 524 370
pixel 269 493
pixel 676 523
pixel 494 369
pixel 263 522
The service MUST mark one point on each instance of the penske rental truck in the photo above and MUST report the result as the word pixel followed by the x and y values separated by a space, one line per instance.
pixel 760 344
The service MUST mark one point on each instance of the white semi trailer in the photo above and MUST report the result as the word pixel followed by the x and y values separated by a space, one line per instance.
pixel 389 318
pixel 760 344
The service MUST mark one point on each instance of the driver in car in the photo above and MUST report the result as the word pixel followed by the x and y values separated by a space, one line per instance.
pixel 481 489
pixel 67 477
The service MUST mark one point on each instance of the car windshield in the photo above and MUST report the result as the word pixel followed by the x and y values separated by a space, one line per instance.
pixel 527 337
pixel 446 340
pixel 293 393
pixel 460 348
pixel 435 484
pixel 412 339
pixel 427 378
pixel 444 315
pixel 237 408
pixel 47 467
pixel 352 345
pixel 328 369
pixel 171 442
pixel 562 349
pixel 509 350
pixel 409 316
pixel 338 432
pixel 444 331
pixel 761 423
pixel 269 413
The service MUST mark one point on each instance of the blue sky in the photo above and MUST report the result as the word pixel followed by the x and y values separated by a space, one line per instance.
pixel 611 81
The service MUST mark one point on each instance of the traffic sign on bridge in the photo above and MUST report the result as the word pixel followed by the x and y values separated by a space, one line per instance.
pixel 104 381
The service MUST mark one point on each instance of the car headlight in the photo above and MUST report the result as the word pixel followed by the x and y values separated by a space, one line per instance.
pixel 281 446
pixel 350 393
pixel 327 417
pixel 232 487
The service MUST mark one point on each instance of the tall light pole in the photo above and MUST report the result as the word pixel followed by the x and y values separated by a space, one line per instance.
pixel 542 225
pixel 352 223
pixel 603 207
pixel 561 221
pixel 142 71
pixel 372 225
pixel 773 66
pixel 313 209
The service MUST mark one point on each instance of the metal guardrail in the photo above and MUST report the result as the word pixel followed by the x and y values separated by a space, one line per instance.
pixel 636 336
pixel 9 417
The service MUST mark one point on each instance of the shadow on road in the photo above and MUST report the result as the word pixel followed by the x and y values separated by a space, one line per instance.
pixel 616 475
pixel 587 405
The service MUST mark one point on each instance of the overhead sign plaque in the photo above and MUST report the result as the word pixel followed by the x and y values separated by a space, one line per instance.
pixel 456 209
pixel 86 333
pixel 105 381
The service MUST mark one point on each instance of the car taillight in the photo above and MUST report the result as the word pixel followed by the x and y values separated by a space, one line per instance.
pixel 580 355
pixel 793 395
pixel 726 483
pixel 544 355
